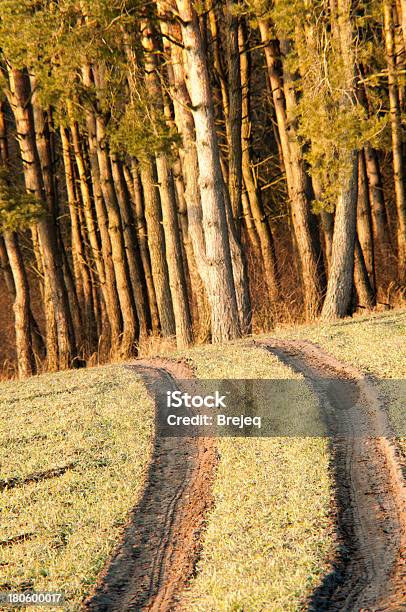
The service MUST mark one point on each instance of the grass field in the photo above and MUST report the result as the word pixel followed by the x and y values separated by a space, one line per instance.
pixel 73 450
pixel 269 535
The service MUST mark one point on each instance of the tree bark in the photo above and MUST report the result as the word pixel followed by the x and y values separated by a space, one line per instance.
pixel 219 271
pixel 377 198
pixel 21 307
pixel 156 244
pixel 132 249
pixel 340 281
pixel 365 293
pixel 83 281
pixel 364 221
pixel 141 230
pixel 6 269
pixel 283 92
pixel 396 125
pixel 22 109
pixel 177 278
pixel 101 255
pixel 234 116
pixel 261 224
pixel 130 332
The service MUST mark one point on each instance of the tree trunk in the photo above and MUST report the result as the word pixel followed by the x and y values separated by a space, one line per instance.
pixel 199 301
pixel 156 244
pixel 15 276
pixel 283 91
pixel 377 199
pixel 396 125
pixel 177 279
pixel 141 229
pixel 102 256
pixel 234 116
pixel 21 307
pixel 19 98
pixel 365 293
pixel 219 272
pixel 261 224
pixel 6 270
pixel 364 221
pixel 132 249
pixel 130 323
pixel 340 281
pixel 83 283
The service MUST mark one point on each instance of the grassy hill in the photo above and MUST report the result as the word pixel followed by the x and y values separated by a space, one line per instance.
pixel 74 448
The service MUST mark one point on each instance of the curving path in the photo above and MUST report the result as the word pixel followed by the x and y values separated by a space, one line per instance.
pixel 370 574
pixel 161 543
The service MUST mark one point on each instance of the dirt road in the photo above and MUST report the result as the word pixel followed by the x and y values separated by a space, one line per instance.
pixel 161 543
pixel 371 571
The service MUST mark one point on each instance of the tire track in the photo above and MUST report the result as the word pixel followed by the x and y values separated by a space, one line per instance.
pixel 161 543
pixel 370 574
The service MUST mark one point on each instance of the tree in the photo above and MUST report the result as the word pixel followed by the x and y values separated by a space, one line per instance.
pixel 285 103
pixel 19 97
pixel 340 281
pixel 396 128
pixel 219 276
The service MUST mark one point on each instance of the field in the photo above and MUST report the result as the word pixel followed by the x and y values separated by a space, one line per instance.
pixel 74 453
pixel 71 467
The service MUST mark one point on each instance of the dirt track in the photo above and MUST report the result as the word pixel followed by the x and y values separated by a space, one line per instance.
pixel 371 573
pixel 161 543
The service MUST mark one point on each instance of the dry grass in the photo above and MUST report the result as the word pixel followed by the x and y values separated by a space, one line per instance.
pixel 96 427
pixel 269 537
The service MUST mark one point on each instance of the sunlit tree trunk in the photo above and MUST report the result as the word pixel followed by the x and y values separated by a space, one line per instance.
pixel 141 230
pixel 261 225
pixel 21 307
pixel 364 221
pixel 101 251
pixel 234 114
pixel 284 98
pixel 131 245
pixel 19 98
pixel 177 278
pixel 156 245
pixel 219 272
pixel 396 125
pixel 83 281
pixel 341 272
pixel 130 323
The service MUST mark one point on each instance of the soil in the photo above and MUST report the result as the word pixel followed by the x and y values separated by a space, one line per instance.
pixel 161 543
pixel 370 571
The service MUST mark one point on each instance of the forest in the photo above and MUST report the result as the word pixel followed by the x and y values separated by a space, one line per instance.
pixel 196 170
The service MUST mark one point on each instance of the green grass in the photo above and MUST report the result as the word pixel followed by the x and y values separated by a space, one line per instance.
pixel 97 421
pixel 269 537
